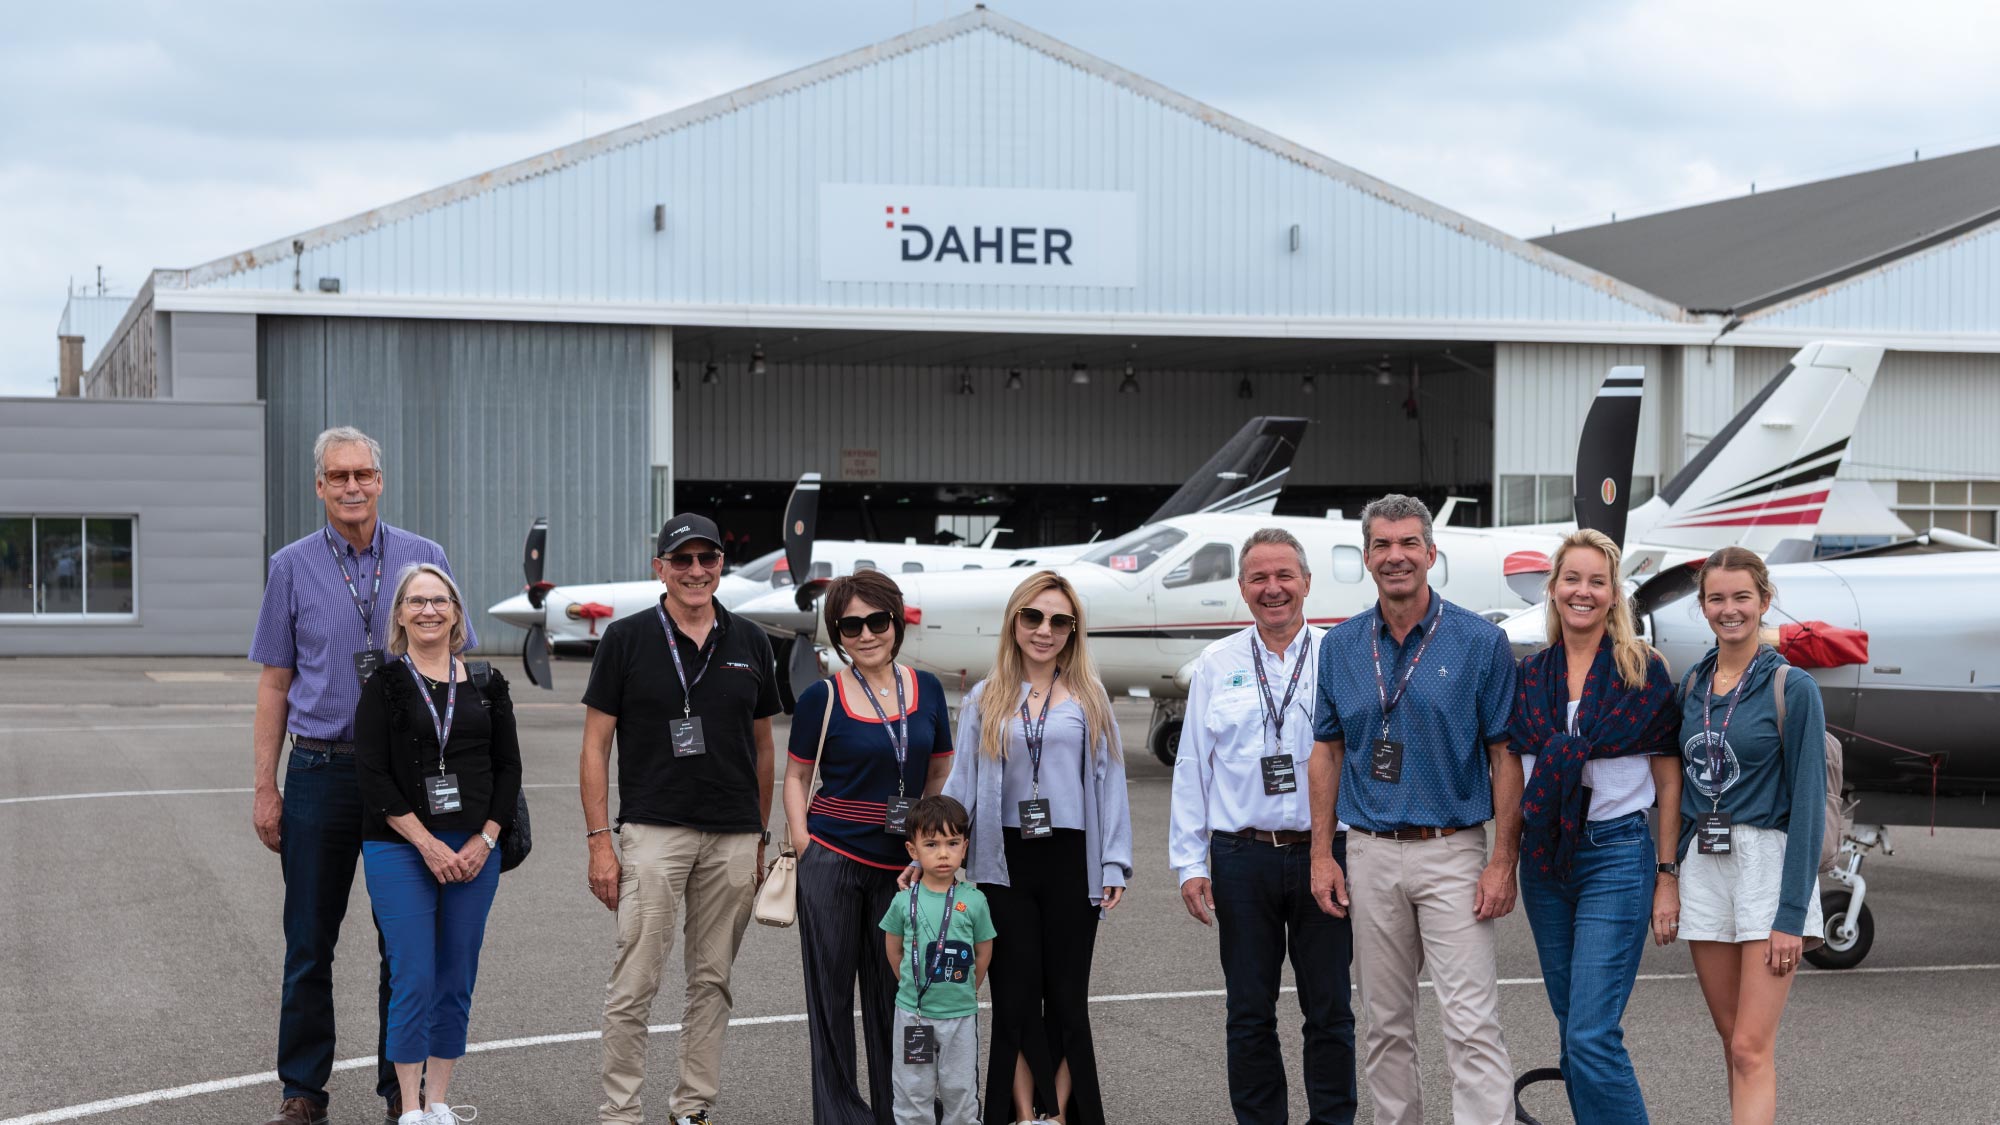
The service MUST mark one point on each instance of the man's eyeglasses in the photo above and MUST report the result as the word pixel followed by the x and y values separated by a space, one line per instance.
pixel 416 603
pixel 1058 622
pixel 877 623
pixel 709 560
pixel 338 478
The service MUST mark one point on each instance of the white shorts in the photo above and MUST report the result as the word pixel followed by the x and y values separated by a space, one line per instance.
pixel 1734 897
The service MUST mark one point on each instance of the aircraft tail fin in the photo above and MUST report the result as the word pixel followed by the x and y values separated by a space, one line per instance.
pixel 1245 476
pixel 1767 475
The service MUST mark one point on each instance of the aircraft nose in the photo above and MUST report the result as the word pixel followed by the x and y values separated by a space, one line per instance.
pixel 777 614
pixel 517 612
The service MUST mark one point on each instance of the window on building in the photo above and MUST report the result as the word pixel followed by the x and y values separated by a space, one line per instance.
pixel 1213 563
pixel 57 567
pixel 1347 564
pixel 1969 507
pixel 1549 497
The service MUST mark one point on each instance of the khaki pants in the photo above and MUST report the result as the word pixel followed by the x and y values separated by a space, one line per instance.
pixel 709 879
pixel 1412 908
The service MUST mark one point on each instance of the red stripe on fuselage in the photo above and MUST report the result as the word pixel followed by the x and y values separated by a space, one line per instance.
pixel 1767 505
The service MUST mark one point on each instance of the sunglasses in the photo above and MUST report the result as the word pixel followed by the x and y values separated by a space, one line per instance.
pixel 877 623
pixel 1058 622
pixel 709 560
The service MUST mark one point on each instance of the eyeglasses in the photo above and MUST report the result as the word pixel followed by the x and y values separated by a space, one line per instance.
pixel 877 623
pixel 1058 622
pixel 338 478
pixel 417 603
pixel 709 560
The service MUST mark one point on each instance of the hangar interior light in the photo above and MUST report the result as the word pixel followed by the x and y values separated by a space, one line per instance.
pixel 1014 379
pixel 757 366
pixel 1079 374
pixel 1131 384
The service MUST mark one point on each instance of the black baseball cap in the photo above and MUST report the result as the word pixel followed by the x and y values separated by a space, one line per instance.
pixel 683 528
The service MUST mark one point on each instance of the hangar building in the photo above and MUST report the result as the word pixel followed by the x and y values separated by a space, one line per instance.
pixel 976 277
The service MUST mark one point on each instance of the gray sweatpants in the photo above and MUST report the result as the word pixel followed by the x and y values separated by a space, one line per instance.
pixel 953 1079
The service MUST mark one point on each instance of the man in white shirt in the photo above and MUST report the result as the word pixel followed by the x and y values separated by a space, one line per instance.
pixel 1241 834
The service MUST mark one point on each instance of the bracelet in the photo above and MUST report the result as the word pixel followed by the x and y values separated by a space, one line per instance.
pixel 596 832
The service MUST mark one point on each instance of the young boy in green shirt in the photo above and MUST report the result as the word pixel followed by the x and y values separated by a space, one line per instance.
pixel 940 938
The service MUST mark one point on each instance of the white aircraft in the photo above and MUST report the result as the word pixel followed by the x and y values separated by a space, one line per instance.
pixel 1246 474
pixel 1157 596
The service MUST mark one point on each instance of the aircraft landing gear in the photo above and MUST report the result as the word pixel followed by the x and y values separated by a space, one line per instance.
pixel 1850 928
pixel 1165 737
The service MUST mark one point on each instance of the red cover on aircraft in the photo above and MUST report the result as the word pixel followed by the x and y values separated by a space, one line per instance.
pixel 1815 644
pixel 1525 562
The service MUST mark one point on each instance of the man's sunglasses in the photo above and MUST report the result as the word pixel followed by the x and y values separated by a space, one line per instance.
pixel 1058 622
pixel 877 623
pixel 709 560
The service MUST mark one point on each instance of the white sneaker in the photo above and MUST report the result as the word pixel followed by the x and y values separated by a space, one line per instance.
pixel 442 1114
pixel 414 1117
pixel 698 1117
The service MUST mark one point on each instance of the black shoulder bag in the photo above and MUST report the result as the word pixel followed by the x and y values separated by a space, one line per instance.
pixel 517 839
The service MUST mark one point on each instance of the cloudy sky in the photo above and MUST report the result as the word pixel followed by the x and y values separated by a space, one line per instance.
pixel 163 134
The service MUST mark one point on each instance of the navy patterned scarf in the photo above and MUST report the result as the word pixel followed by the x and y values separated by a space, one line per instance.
pixel 1612 721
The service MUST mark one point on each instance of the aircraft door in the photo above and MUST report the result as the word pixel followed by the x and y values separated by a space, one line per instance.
pixel 1197 601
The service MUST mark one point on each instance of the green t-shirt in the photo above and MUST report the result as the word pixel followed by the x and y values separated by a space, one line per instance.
pixel 952 992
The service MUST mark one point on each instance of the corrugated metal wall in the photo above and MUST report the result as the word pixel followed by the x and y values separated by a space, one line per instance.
pixel 484 426
pixel 1952 289
pixel 1542 393
pixel 796 419
pixel 978 108
pixel 193 475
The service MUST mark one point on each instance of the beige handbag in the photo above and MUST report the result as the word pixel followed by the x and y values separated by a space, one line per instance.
pixel 778 898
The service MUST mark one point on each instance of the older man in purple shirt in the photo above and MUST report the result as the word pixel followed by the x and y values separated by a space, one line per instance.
pixel 321 631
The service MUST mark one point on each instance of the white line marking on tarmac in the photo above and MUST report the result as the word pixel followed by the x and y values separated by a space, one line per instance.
pixel 94 728
pixel 199 792
pixel 220 1085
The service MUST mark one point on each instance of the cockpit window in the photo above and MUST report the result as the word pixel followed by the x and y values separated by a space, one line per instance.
pixel 1137 551
pixel 760 568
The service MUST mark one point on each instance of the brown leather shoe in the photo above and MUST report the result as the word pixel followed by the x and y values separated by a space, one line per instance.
pixel 299 1111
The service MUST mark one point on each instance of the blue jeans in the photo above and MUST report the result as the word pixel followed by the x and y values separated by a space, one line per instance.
pixel 321 842
pixel 433 931
pixel 1589 932
pixel 1264 909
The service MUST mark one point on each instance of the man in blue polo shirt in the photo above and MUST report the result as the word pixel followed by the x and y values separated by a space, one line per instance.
pixel 321 631
pixel 1419 690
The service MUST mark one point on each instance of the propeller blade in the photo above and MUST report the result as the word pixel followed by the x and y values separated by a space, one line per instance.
pixel 535 658
pixel 1604 453
pixel 801 527
pixel 803 668
pixel 532 559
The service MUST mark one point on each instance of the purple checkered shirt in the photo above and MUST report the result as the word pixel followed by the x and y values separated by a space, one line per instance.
pixel 309 622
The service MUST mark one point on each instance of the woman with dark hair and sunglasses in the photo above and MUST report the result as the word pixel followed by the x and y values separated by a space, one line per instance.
pixel 887 742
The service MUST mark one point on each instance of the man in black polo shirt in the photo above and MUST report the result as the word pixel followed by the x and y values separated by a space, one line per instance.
pixel 689 692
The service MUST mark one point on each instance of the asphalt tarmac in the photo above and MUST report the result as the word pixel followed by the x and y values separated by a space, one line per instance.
pixel 139 924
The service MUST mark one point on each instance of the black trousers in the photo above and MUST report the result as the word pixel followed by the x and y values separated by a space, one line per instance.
pixel 841 903
pixel 1045 932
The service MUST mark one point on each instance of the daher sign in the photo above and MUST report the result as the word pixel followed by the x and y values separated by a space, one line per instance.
pixel 981 236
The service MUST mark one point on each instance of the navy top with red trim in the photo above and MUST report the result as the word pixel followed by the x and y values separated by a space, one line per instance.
pixel 859 773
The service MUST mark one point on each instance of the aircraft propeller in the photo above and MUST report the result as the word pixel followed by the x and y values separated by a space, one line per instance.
pixel 1604 453
pixel 801 526
pixel 535 653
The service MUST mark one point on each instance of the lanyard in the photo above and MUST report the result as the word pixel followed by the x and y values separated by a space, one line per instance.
pixel 1276 712
pixel 899 731
pixel 917 967
pixel 353 591
pixel 674 647
pixel 441 726
pixel 1031 732
pixel 1382 695
pixel 1710 743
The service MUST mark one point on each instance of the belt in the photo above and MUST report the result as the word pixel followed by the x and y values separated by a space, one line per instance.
pixel 1277 839
pixel 322 745
pixel 1418 832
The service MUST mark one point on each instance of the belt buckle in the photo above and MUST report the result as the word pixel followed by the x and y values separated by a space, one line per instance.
pixel 1268 835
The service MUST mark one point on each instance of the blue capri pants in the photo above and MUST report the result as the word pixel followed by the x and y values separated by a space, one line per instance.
pixel 432 932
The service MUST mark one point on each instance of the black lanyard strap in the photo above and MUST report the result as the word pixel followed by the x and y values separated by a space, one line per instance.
pixel 1032 732
pixel 1711 743
pixel 680 670
pixel 917 943
pixel 353 590
pixel 441 726
pixel 1275 712
pixel 1382 696
pixel 898 731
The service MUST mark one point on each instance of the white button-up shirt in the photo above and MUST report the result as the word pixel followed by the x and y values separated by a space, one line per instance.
pixel 1218 783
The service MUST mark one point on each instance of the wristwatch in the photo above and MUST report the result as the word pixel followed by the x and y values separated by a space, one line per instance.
pixel 490 844
pixel 765 839
pixel 1673 869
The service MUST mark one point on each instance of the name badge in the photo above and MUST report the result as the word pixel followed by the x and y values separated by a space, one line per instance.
pixel 1385 761
pixel 367 660
pixel 919 1044
pixel 1035 822
pixel 1281 774
pixel 1711 833
pixel 954 966
pixel 443 793
pixel 896 816
pixel 687 737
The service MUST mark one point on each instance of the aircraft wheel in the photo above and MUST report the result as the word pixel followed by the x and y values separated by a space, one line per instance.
pixel 1166 741
pixel 1834 954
